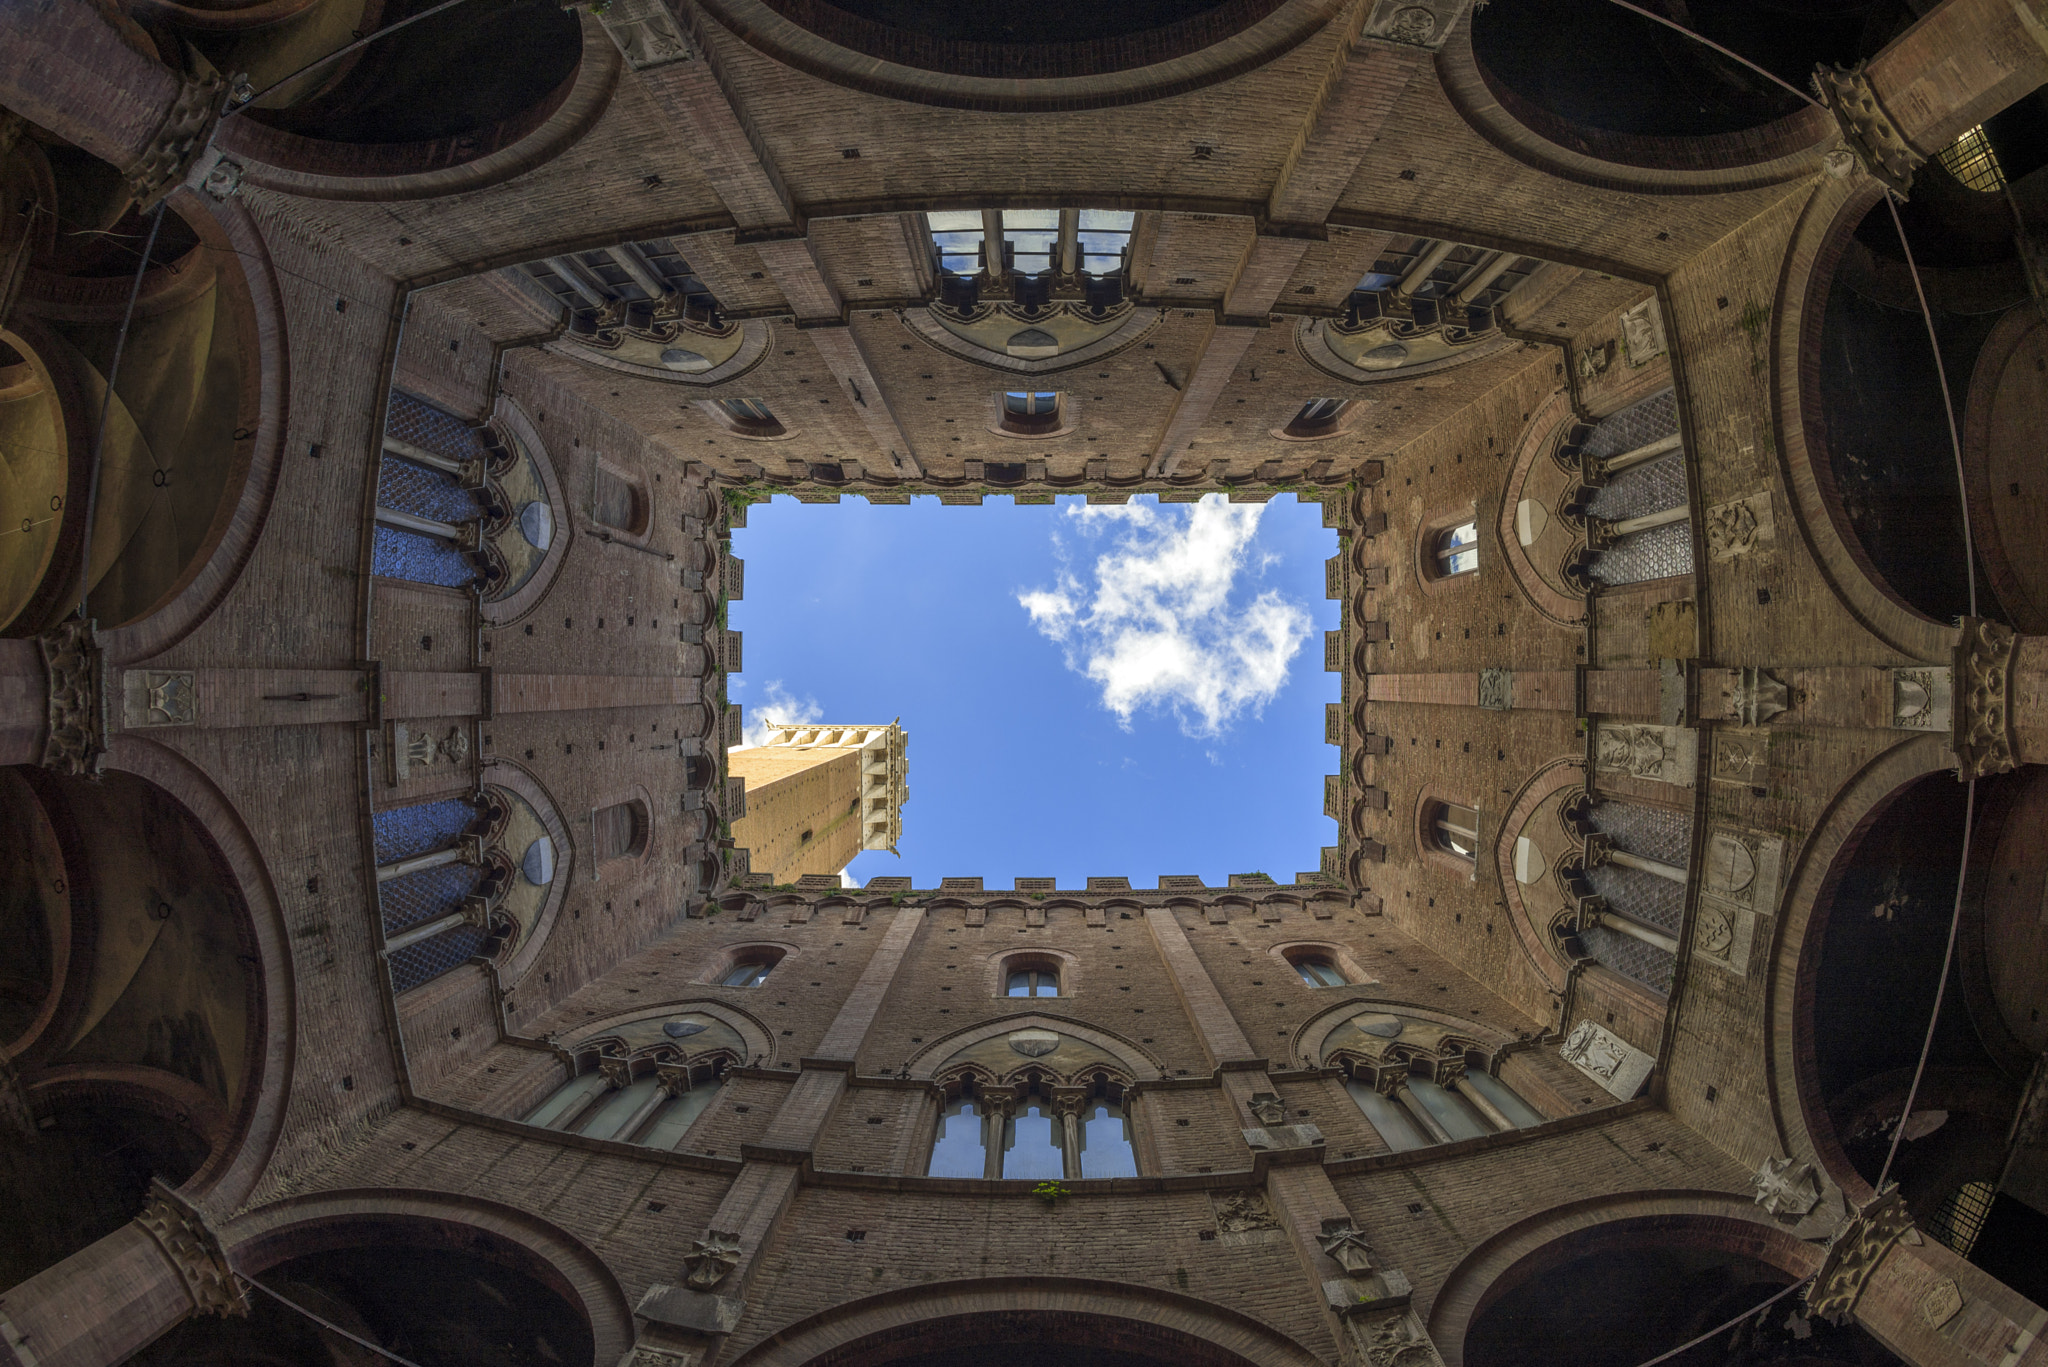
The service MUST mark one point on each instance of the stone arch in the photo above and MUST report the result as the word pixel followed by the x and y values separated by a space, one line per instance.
pixel 1773 151
pixel 1816 249
pixel 1538 564
pixel 1803 1128
pixel 1705 1219
pixel 231 1173
pixel 1313 1034
pixel 1142 1067
pixel 263 1238
pixel 871 1331
pixel 511 141
pixel 535 924
pixel 843 48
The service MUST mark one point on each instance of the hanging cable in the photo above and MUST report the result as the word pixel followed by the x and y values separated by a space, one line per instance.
pixel 99 436
pixel 339 52
pixel 1722 1328
pixel 1732 56
pixel 327 1324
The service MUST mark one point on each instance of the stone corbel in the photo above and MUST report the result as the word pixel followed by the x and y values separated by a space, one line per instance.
pixel 194 1250
pixel 1981 702
pixel 711 1259
pixel 1753 696
pixel 1855 1253
pixel 178 140
pixel 1868 129
pixel 77 743
pixel 1785 1187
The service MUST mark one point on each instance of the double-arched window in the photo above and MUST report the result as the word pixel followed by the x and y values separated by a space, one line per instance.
pixel 1032 982
pixel 1454 550
pixel 1453 829
pixel 1318 970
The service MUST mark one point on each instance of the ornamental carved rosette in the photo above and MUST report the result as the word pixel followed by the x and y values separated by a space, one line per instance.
pixel 1982 698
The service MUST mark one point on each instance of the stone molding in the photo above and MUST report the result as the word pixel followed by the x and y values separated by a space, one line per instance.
pixel 185 132
pixel 1868 128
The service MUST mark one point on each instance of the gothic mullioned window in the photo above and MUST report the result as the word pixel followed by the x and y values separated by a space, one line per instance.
pixel 1031 242
pixel 1032 1131
pixel 655 1108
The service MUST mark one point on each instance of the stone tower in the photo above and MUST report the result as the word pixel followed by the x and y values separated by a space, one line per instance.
pixel 817 795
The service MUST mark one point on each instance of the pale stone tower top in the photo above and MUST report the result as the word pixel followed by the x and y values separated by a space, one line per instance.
pixel 819 793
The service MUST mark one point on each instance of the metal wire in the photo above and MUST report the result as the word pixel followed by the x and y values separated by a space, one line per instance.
pixel 1732 56
pixel 99 436
pixel 328 1325
pixel 319 62
pixel 1721 1328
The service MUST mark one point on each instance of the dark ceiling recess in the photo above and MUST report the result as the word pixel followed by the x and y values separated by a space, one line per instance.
pixel 1013 40
pixel 1590 65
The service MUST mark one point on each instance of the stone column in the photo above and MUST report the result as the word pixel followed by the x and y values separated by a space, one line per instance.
pixel 1070 1124
pixel 24 702
pixel 1920 1300
pixel 1956 67
pixel 995 1118
pixel 112 1297
pixel 1431 1126
pixel 92 81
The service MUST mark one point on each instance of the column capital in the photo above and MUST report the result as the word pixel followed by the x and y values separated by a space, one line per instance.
pixel 76 741
pixel 1982 698
pixel 194 1249
pixel 1854 1254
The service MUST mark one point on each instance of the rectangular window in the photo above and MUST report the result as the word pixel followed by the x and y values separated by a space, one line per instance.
pixel 1105 239
pixel 957 235
pixel 1031 236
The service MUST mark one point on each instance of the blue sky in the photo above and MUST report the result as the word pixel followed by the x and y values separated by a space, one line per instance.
pixel 1133 689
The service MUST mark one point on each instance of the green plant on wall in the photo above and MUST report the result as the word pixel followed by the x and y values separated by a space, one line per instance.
pixel 1050 1193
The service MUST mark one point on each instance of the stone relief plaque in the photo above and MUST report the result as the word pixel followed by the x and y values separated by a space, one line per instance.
pixel 646 35
pixel 1921 698
pixel 1665 754
pixel 1618 1066
pixel 1738 527
pixel 1738 884
pixel 159 697
pixel 1741 756
pixel 1642 333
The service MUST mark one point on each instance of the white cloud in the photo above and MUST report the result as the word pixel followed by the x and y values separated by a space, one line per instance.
pixel 779 709
pixel 1153 622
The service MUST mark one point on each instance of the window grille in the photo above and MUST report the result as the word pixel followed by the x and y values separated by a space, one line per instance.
pixel 1971 160
pixel 1961 1217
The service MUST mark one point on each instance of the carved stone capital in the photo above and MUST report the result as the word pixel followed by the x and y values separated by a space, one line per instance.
pixel 1981 701
pixel 77 741
pixel 178 140
pixel 194 1250
pixel 618 1073
pixel 1392 1339
pixel 1855 1254
pixel 1868 129
pixel 711 1259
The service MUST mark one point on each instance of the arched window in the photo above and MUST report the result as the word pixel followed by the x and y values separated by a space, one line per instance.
pixel 1412 1111
pixel 619 831
pixel 749 972
pixel 1455 550
pixel 1317 419
pixel 1106 1148
pixel 958 1149
pixel 1454 829
pixel 1317 970
pixel 618 501
pixel 750 418
pixel 1317 413
pixel 1034 1142
pixel 1030 412
pixel 1032 982
pixel 655 1109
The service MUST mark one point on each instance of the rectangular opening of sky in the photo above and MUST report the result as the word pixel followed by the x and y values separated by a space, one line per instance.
pixel 1111 690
